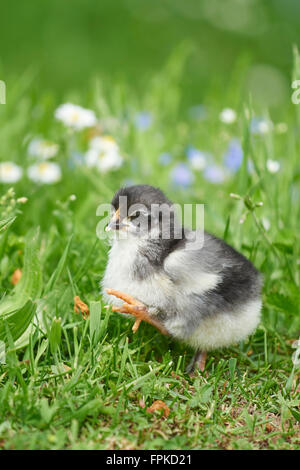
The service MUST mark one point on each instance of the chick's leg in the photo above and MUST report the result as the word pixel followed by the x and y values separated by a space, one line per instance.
pixel 197 362
pixel 138 309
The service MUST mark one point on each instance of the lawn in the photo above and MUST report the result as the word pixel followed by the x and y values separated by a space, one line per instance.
pixel 72 381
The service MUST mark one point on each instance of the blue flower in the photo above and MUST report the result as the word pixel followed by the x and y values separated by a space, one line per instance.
pixel 234 156
pixel 76 159
pixel 197 112
pixel 182 175
pixel 250 166
pixel 214 174
pixel 128 182
pixel 260 125
pixel 196 158
pixel 143 120
pixel 134 164
pixel 165 158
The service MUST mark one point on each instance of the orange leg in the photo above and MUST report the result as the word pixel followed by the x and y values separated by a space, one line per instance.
pixel 126 297
pixel 136 308
pixel 198 362
pixel 202 361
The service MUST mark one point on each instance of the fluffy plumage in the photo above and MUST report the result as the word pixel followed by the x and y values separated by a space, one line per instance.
pixel 207 297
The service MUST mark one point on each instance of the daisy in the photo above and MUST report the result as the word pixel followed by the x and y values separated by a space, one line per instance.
pixel 44 172
pixel 103 154
pixel 10 172
pixel 104 144
pixel 42 148
pixel 75 116
pixel 228 116
pixel 273 166
pixel 103 161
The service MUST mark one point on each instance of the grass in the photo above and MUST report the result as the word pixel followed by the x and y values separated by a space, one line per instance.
pixel 71 383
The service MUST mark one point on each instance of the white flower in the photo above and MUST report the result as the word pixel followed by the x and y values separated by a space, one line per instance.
pixel 76 117
pixel 103 154
pixel 42 148
pixel 260 126
pixel 228 116
pixel 45 172
pixel 196 158
pixel 104 144
pixel 10 172
pixel 198 162
pixel 103 161
pixel 273 166
pixel 266 223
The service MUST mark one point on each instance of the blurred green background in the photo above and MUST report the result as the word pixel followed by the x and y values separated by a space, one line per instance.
pixel 68 42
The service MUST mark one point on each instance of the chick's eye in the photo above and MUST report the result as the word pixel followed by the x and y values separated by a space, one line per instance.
pixel 135 215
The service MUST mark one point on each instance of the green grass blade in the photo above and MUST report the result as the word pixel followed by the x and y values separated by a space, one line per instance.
pixel 95 321
pixel 17 321
pixel 60 267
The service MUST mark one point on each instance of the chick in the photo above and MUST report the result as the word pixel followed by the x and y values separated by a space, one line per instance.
pixel 197 289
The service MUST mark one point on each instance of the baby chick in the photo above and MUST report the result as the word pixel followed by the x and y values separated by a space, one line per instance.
pixel 198 290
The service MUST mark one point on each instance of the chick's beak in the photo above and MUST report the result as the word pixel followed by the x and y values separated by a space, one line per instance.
pixel 114 223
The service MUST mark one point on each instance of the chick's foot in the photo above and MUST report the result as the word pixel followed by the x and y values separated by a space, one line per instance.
pixel 136 308
pixel 198 362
